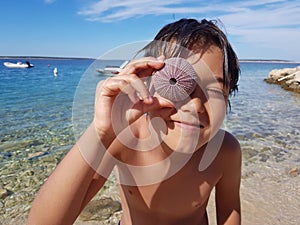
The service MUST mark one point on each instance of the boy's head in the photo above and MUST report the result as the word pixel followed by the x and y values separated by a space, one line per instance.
pixel 206 48
pixel 197 37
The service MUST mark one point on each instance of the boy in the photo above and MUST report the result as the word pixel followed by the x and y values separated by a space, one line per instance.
pixel 169 155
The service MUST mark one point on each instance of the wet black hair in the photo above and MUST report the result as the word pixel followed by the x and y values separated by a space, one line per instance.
pixel 193 34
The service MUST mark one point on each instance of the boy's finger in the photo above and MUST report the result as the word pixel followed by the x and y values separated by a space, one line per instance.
pixel 136 67
pixel 141 89
pixel 157 103
pixel 131 93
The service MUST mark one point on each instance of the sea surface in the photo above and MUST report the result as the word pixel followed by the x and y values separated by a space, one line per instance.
pixel 38 110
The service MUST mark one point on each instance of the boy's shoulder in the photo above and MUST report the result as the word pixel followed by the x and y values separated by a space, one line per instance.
pixel 230 147
pixel 230 142
pixel 230 152
pixel 221 149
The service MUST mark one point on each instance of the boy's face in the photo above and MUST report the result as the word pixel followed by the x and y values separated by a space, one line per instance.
pixel 197 119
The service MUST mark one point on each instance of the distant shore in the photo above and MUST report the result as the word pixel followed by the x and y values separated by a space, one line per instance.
pixel 91 58
pixel 46 57
pixel 268 61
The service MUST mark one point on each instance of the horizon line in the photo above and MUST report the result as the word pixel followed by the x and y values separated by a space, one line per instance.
pixel 92 58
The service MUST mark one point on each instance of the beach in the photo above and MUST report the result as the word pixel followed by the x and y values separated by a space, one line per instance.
pixel 40 123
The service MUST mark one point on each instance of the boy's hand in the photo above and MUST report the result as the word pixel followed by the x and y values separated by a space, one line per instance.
pixel 122 99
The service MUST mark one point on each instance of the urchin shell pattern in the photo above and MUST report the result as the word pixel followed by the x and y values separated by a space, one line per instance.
pixel 176 80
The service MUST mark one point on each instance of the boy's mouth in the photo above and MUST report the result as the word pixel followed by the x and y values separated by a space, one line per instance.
pixel 188 125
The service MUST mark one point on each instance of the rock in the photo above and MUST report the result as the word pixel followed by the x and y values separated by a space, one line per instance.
pixel 100 209
pixel 278 73
pixel 294 171
pixel 29 172
pixel 3 193
pixel 297 76
pixel 288 78
pixel 35 155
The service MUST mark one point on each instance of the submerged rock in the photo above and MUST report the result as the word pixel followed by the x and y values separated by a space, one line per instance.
pixel 287 78
pixel 100 209
pixel 3 193
pixel 294 171
pixel 35 155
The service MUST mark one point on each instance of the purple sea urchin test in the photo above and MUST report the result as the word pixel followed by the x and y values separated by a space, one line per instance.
pixel 176 80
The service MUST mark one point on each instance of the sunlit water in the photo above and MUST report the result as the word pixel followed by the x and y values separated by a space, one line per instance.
pixel 37 130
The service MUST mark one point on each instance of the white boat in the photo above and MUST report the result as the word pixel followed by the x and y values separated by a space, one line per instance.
pixel 108 70
pixel 18 65
pixel 55 71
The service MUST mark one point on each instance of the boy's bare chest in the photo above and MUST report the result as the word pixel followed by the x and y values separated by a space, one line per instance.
pixel 182 194
pixel 169 185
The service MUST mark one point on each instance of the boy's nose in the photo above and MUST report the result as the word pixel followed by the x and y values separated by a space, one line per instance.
pixel 191 105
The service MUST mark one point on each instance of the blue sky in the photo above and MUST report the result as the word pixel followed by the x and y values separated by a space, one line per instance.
pixel 264 29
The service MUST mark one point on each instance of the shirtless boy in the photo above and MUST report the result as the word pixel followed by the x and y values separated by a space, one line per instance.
pixel 169 155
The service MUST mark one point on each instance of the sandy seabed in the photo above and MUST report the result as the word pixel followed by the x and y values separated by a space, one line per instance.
pixel 269 198
pixel 265 209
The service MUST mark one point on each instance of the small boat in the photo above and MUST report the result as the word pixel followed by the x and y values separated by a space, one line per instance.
pixel 108 70
pixel 55 71
pixel 18 65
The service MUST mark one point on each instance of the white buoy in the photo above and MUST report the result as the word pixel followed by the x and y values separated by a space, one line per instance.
pixel 55 71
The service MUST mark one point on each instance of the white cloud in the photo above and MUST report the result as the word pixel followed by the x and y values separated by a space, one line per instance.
pixel 263 22
pixel 116 10
pixel 270 30
pixel 112 10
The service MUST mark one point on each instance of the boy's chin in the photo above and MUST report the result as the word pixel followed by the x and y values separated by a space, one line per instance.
pixel 185 141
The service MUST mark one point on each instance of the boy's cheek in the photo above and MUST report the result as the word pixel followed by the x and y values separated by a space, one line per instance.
pixel 216 108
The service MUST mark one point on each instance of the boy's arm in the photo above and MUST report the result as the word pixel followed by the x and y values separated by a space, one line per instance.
pixel 73 183
pixel 228 187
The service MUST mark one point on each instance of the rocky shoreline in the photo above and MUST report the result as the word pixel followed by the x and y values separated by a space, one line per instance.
pixel 287 78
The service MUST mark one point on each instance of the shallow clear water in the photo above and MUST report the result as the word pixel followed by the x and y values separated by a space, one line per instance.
pixel 36 106
pixel 37 130
pixel 266 120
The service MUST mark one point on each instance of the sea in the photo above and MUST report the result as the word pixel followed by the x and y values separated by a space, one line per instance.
pixel 42 114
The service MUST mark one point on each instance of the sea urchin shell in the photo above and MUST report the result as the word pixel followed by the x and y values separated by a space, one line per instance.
pixel 176 80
